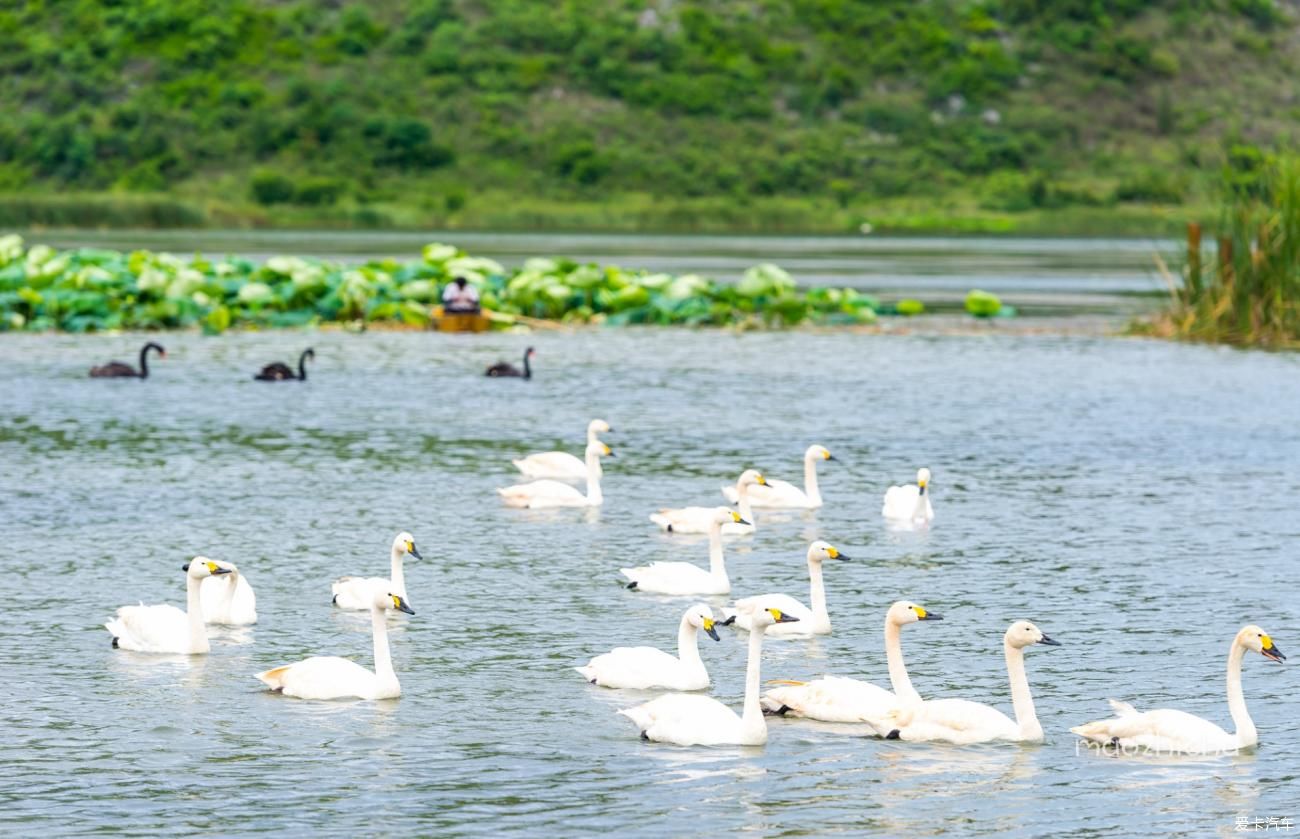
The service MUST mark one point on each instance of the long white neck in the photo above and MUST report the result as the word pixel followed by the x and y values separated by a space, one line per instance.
pixel 194 611
pixel 810 479
pixel 396 575
pixel 897 671
pixel 921 501
pixel 753 728
pixel 593 480
pixel 717 568
pixel 742 502
pixel 817 594
pixel 383 660
pixel 1246 734
pixel 688 644
pixel 1020 698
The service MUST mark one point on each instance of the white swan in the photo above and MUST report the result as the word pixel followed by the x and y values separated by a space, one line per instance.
pixel 647 667
pixel 1167 730
pixel 964 722
pixel 683 578
pixel 840 699
pixel 814 621
pixel 785 494
pixel 693 720
pixel 562 465
pixel 331 677
pixel 164 628
pixel 356 592
pixel 910 504
pixel 698 519
pixel 228 599
pixel 539 494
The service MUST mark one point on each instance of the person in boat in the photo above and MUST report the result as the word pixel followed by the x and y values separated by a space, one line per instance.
pixel 460 298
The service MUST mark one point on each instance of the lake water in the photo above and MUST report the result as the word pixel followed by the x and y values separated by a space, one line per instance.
pixel 1135 499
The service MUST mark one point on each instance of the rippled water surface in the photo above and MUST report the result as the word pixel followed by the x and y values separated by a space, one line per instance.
pixel 1135 499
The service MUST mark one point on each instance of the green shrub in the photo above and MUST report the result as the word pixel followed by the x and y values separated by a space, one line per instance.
pixel 319 191
pixel 272 188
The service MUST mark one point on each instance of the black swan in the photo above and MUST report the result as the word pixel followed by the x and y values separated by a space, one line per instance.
pixel 504 369
pixel 118 370
pixel 279 372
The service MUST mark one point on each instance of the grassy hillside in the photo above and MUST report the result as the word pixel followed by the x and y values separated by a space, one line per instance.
pixel 1024 115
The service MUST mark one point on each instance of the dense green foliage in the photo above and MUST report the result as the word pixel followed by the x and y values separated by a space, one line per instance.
pixel 1248 292
pixel 833 112
pixel 84 290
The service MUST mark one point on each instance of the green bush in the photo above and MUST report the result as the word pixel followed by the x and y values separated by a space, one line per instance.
pixel 319 191
pixel 272 188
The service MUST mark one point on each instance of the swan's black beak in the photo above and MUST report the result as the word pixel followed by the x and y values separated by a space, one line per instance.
pixel 841 556
pixel 831 457
pixel 745 522
pixel 782 617
pixel 1273 653
pixel 185 567
pixel 932 616
pixel 400 604
pixel 218 571
pixel 611 453
pixel 414 552
pixel 728 622
pixel 1049 642
pixel 711 632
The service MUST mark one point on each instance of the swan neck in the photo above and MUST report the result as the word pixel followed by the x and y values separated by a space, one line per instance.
pixel 144 362
pixel 194 611
pixel 383 659
pixel 742 502
pixel 717 566
pixel 302 366
pixel 688 644
pixel 1021 700
pixel 753 727
pixel 897 670
pixel 921 501
pixel 528 370
pixel 817 594
pixel 396 574
pixel 594 495
pixel 1246 734
pixel 810 480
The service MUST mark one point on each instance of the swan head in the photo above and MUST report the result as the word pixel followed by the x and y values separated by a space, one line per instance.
pixel 700 616
pixel 1023 634
pixel 905 611
pixel 750 477
pixel 599 449
pixel 726 515
pixel 818 453
pixel 599 426
pixel 309 353
pixel 1253 638
pixel 530 353
pixel 200 567
pixel 763 615
pixel 820 551
pixel 384 599
pixel 922 477
pixel 405 544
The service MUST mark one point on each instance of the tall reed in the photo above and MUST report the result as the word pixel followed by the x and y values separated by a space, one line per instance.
pixel 1249 292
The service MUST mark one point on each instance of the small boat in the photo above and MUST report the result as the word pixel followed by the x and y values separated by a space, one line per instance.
pixel 460 321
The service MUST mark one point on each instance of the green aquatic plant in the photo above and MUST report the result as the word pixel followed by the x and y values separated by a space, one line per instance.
pixel 88 289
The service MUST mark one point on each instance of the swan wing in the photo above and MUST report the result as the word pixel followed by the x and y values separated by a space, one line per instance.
pixel 685 719
pixel 641 668
pixel 322 677
pixel 151 629
pixel 733 497
pixel 561 465
pixel 900 501
pixel 228 601
pixel 544 493
pixel 356 592
pixel 684 519
pixel 954 721
pixel 674 578
pixel 1162 730
pixel 831 699
pixel 777 493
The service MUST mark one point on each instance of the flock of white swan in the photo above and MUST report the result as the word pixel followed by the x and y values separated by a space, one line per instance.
pixel 217 593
